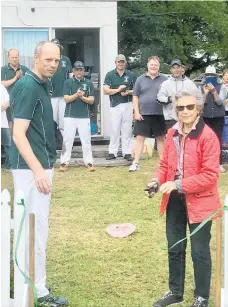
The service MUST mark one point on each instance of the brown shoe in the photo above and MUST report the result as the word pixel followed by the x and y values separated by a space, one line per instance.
pixel 90 167
pixel 63 167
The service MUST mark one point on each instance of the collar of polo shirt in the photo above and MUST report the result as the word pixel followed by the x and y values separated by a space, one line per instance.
pixel 35 77
pixel 18 68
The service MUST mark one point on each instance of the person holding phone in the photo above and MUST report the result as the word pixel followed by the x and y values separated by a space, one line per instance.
pixel 214 110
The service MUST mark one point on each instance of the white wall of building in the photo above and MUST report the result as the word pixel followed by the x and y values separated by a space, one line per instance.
pixel 70 14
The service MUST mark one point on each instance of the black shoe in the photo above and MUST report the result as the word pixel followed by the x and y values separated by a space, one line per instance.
pixel 110 157
pixel 169 299
pixel 200 302
pixel 52 301
pixel 128 157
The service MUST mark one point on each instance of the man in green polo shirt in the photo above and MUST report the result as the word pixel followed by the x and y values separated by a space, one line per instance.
pixel 63 72
pixel 33 154
pixel 119 85
pixel 78 95
pixel 10 74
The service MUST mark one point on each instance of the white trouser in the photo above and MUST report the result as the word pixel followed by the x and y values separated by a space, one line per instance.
pixel 39 204
pixel 121 122
pixel 71 125
pixel 58 106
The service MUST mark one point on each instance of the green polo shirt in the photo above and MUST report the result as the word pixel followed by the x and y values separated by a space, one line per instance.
pixel 30 100
pixel 60 76
pixel 77 108
pixel 8 73
pixel 114 80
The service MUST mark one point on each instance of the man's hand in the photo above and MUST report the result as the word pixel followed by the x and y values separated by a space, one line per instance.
pixel 121 88
pixel 18 74
pixel 125 93
pixel 80 93
pixel 152 187
pixel 42 181
pixel 138 116
pixel 168 187
pixel 206 89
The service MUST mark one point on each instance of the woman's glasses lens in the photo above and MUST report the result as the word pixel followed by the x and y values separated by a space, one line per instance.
pixel 189 107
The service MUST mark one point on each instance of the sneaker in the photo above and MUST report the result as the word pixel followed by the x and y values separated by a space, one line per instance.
pixel 169 299
pixel 90 167
pixel 63 167
pixel 128 157
pixel 134 167
pixel 110 157
pixel 52 301
pixel 200 302
pixel 222 169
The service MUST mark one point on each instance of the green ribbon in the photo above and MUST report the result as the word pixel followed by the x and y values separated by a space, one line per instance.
pixel 27 279
pixel 200 225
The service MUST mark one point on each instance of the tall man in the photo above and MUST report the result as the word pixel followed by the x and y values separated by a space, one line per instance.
pixel 63 72
pixel 149 119
pixel 119 85
pixel 33 155
pixel 176 83
pixel 10 74
pixel 78 95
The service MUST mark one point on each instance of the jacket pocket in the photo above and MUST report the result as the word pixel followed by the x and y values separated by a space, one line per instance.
pixel 204 193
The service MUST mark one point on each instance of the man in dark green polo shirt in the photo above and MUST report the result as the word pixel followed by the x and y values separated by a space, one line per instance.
pixel 63 72
pixel 119 85
pixel 10 74
pixel 78 95
pixel 33 155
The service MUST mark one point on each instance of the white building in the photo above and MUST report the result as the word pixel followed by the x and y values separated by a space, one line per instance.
pixel 86 29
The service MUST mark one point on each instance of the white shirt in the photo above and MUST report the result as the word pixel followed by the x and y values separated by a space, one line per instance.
pixel 4 99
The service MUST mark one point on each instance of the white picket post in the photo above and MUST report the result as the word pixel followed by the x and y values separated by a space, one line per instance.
pixel 19 281
pixel 225 291
pixel 5 248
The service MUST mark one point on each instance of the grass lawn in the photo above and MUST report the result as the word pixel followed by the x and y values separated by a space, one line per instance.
pixel 91 268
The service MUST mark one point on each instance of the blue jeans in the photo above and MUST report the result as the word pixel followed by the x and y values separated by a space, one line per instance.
pixel 225 131
pixel 6 142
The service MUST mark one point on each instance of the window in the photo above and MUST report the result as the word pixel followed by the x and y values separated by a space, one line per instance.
pixel 25 40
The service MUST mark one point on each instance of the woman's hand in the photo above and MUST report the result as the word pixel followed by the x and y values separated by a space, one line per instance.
pixel 168 187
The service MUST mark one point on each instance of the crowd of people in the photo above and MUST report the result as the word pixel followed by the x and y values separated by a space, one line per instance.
pixel 187 122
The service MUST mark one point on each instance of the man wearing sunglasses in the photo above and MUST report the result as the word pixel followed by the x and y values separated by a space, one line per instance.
pixel 78 94
pixel 177 82
pixel 119 85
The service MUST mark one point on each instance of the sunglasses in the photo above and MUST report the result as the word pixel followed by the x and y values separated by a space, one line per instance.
pixel 189 107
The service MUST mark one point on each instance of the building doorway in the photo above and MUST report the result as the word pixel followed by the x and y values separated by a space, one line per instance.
pixel 84 45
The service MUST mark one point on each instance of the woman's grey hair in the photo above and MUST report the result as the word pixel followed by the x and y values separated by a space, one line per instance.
pixel 199 98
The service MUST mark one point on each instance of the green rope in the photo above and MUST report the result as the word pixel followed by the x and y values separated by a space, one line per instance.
pixel 200 225
pixel 27 279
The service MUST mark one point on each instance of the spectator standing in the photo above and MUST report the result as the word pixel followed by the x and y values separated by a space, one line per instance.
pixel 148 114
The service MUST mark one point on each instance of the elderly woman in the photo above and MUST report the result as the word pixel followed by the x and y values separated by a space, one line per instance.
pixel 188 177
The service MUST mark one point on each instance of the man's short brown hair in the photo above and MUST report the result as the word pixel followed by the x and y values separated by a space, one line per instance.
pixel 153 57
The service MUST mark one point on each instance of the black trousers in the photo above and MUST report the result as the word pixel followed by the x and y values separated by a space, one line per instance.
pixel 217 125
pixel 170 123
pixel 176 224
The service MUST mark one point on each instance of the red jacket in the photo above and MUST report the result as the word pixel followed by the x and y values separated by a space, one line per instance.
pixel 200 168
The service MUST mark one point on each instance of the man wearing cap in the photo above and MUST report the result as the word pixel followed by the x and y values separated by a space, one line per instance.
pixel 119 85
pixel 64 72
pixel 214 110
pixel 10 74
pixel 32 156
pixel 176 83
pixel 78 94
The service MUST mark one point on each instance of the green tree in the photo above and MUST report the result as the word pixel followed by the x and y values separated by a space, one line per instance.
pixel 194 31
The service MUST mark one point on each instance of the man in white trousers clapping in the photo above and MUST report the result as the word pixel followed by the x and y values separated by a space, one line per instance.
pixel 78 94
pixel 119 85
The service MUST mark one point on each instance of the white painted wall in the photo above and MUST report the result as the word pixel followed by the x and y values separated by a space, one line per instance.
pixel 67 14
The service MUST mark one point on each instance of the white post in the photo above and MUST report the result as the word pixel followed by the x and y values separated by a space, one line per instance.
pixel 5 248
pixel 225 293
pixel 19 281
